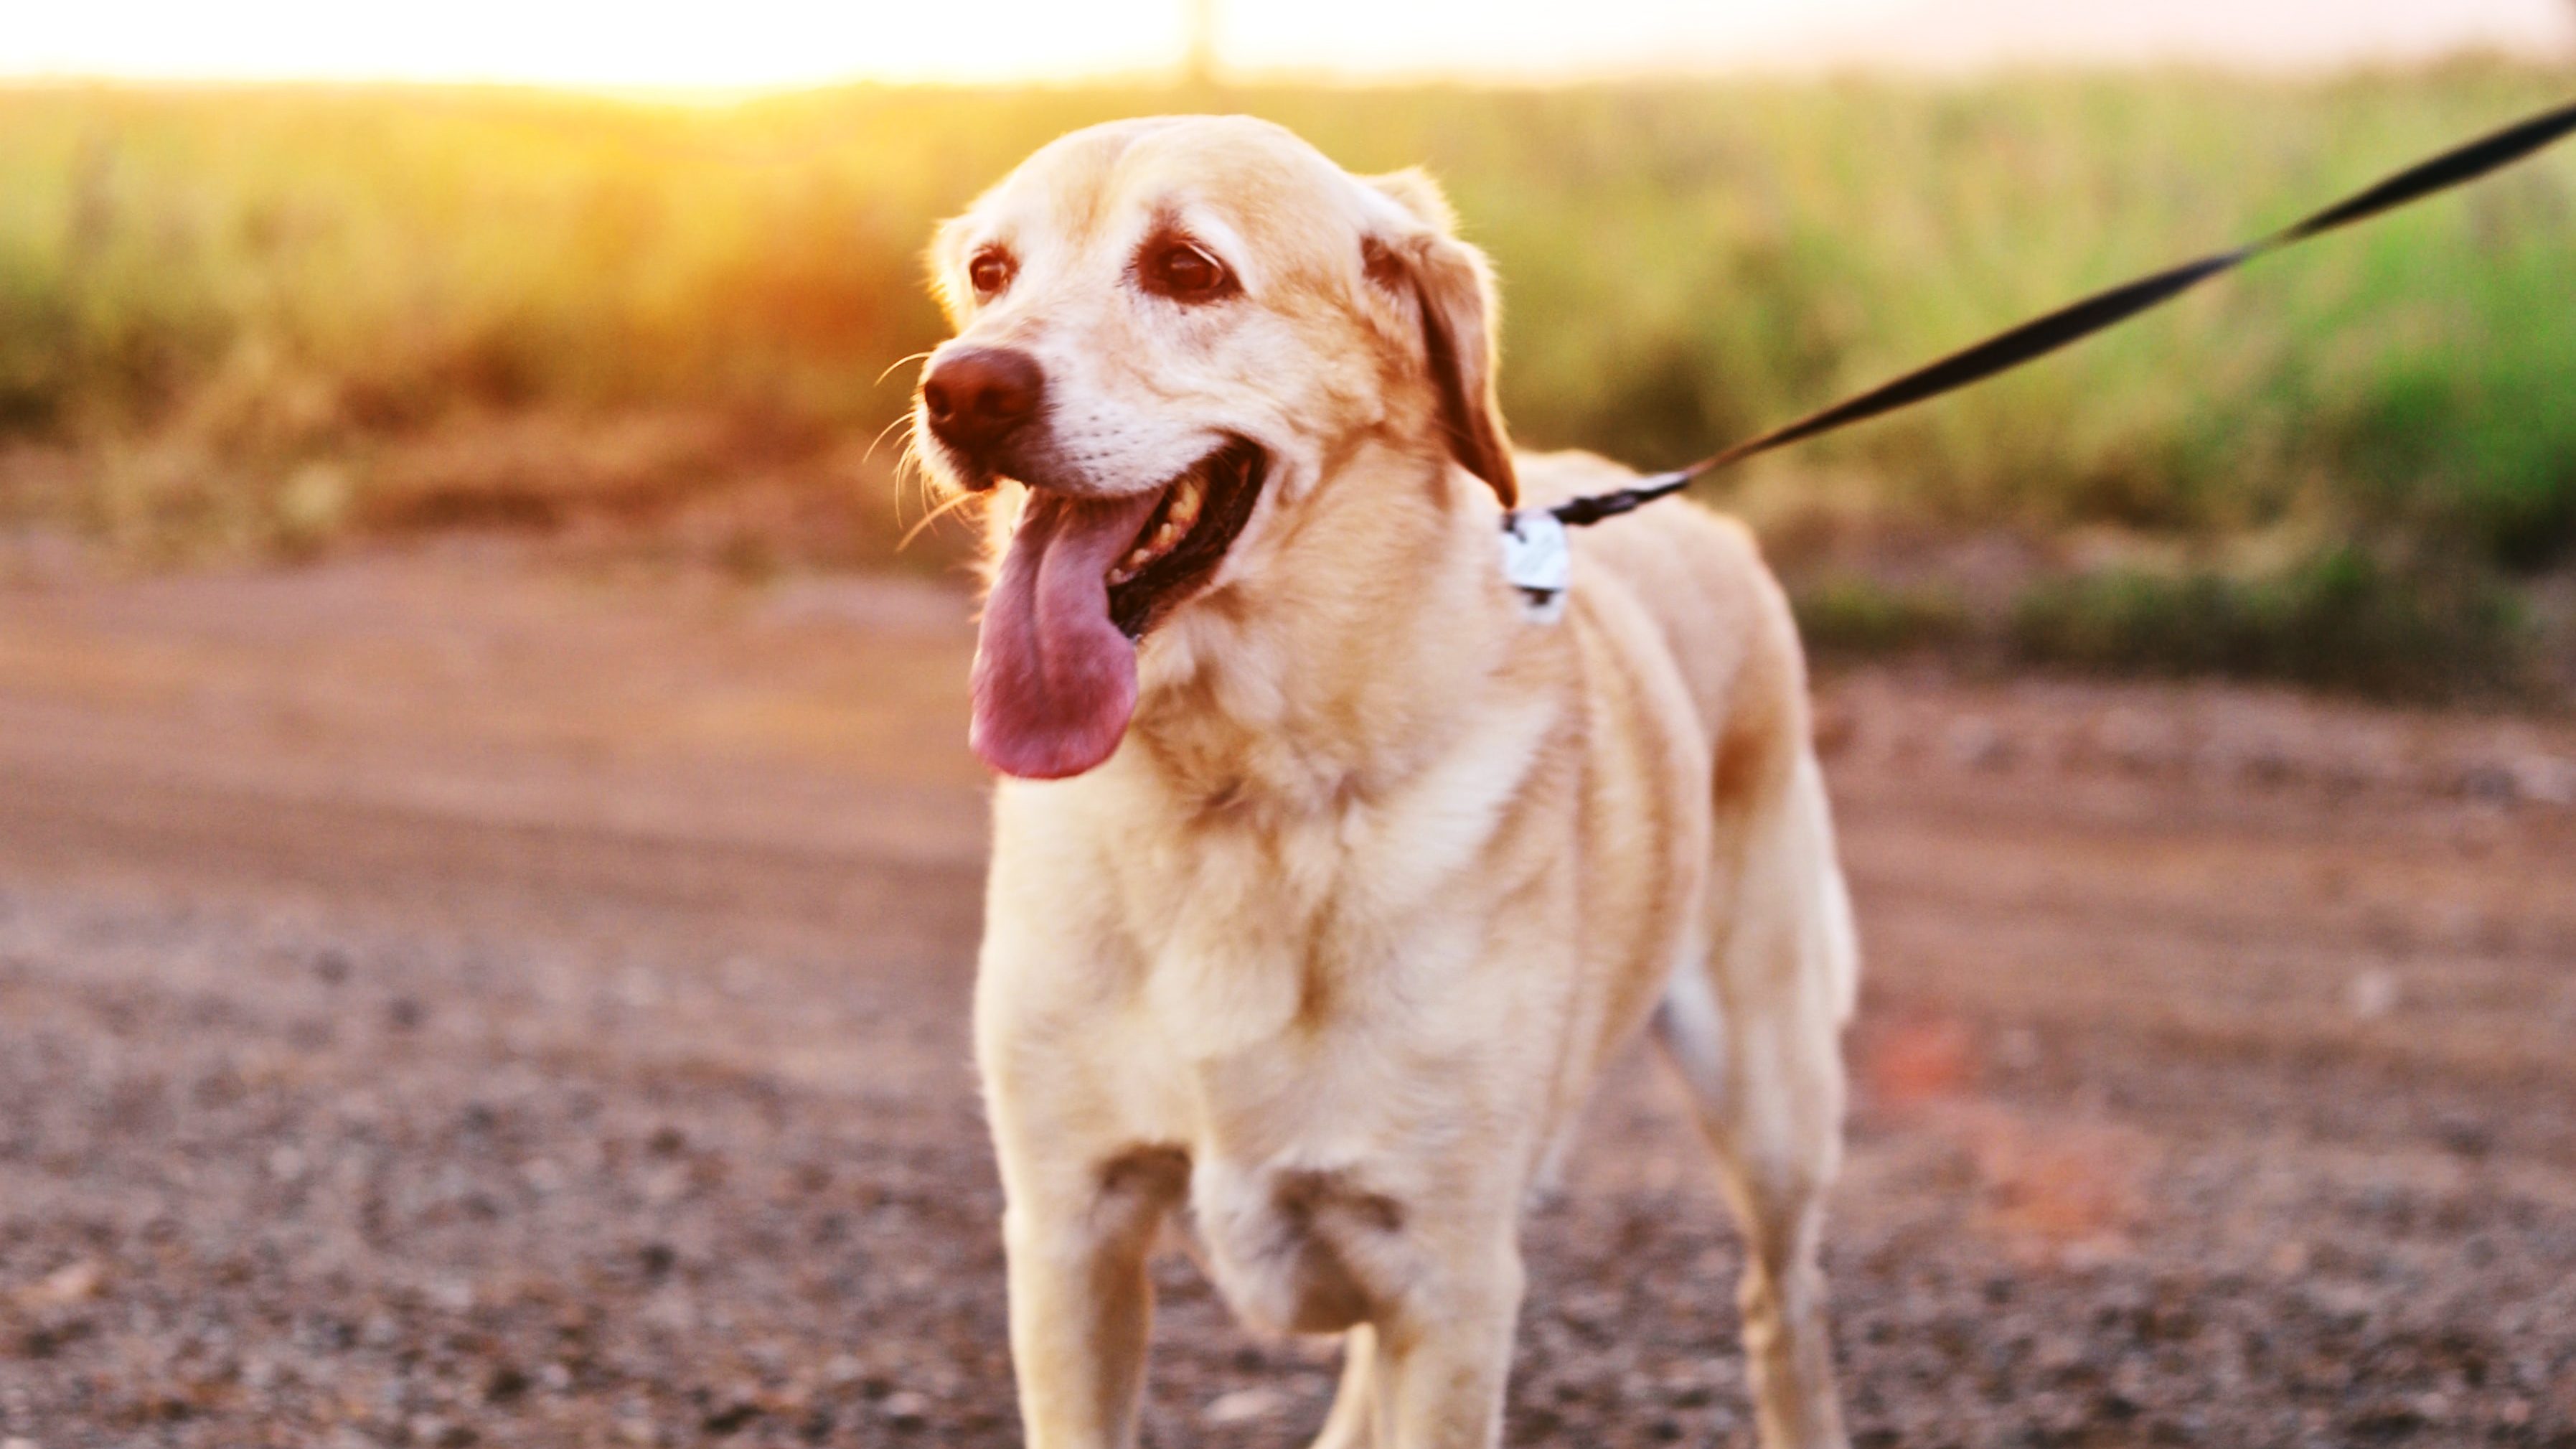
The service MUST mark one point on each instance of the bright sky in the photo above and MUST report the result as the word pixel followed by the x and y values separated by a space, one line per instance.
pixel 744 44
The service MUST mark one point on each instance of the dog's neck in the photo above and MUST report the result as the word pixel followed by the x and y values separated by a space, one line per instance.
pixel 1376 632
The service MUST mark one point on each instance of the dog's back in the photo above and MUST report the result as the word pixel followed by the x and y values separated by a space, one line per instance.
pixel 1733 641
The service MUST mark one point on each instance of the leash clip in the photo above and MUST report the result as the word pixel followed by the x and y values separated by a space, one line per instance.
pixel 1538 562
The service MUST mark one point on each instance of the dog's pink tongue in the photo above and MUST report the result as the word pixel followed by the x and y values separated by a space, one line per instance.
pixel 1054 679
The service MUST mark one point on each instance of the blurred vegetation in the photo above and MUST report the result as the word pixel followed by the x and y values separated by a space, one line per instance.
pixel 2342 618
pixel 268 319
pixel 1853 614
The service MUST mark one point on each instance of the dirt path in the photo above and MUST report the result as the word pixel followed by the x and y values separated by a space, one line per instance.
pixel 443 1003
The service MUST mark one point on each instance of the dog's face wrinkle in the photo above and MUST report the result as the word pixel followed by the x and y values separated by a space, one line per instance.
pixel 1181 267
pixel 1315 354
pixel 1142 383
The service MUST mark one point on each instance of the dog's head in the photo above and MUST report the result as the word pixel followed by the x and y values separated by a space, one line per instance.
pixel 1168 331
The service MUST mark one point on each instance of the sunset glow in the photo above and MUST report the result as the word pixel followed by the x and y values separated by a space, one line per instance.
pixel 758 44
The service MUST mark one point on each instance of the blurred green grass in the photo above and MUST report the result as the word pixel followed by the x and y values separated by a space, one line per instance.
pixel 264 320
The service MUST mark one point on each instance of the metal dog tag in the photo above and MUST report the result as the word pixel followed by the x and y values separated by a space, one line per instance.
pixel 1537 562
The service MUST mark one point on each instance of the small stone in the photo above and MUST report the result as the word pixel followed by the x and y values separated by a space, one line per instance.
pixel 2134 741
pixel 2543 780
pixel 440 1434
pixel 2495 785
pixel 657 1260
pixel 1243 1406
pixel 75 1282
pixel 2372 993
pixel 905 1409
pixel 2465 1136
pixel 1977 745
pixel 1833 728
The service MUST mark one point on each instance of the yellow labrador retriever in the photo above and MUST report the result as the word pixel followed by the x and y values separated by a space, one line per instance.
pixel 1329 870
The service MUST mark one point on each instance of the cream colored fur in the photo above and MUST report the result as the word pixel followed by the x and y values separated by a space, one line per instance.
pixel 1330 952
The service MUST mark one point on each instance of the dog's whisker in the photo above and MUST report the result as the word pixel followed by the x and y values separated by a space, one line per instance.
pixel 902 419
pixel 898 362
pixel 914 480
pixel 933 516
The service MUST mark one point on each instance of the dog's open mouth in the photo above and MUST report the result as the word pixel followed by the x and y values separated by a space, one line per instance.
pixel 1082 581
pixel 1202 513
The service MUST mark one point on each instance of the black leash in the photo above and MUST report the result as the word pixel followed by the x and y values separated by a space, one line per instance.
pixel 2038 338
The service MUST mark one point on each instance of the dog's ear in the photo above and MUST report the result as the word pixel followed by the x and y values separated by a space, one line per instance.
pixel 1420 259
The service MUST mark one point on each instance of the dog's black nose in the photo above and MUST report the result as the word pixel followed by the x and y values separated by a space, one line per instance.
pixel 977 395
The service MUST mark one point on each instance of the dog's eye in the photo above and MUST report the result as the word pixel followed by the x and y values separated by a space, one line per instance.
pixel 1185 272
pixel 990 272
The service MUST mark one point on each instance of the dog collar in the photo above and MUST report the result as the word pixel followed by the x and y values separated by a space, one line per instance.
pixel 1537 562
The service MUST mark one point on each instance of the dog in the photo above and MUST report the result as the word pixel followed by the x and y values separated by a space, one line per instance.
pixel 1328 869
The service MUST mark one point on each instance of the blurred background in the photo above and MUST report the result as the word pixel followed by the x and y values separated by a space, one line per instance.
pixel 488 863
pixel 308 280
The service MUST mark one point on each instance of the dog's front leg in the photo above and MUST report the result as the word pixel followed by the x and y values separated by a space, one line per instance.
pixel 1081 1300
pixel 1437 1364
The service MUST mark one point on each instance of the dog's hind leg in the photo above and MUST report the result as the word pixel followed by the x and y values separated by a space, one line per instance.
pixel 1754 1032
